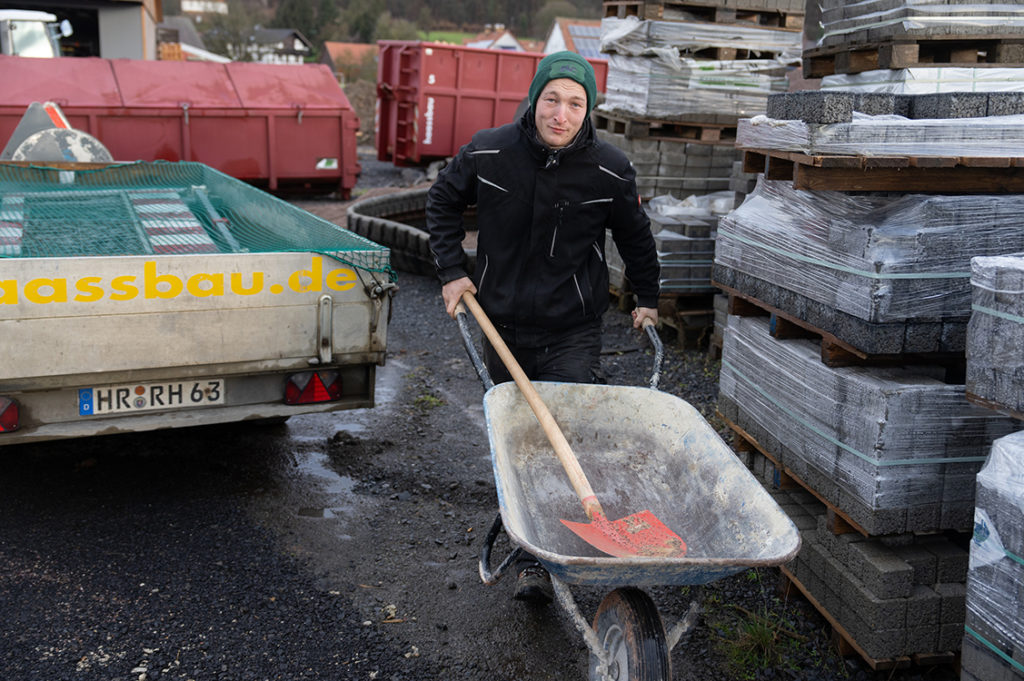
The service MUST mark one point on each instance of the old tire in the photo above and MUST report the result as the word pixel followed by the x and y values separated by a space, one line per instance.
pixel 630 630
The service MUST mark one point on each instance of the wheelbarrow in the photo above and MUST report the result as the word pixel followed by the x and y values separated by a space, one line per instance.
pixel 640 447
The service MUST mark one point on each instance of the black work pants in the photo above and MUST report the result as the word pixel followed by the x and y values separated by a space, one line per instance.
pixel 572 357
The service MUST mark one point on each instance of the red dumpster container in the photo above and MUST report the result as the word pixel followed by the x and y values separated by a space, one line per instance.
pixel 280 127
pixel 432 97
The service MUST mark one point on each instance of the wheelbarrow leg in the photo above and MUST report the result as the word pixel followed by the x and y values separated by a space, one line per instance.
pixel 568 603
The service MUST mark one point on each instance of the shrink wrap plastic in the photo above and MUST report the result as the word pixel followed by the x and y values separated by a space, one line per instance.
pixel 668 86
pixel 885 19
pixel 995 333
pixel 920 80
pixel 995 577
pixel 991 136
pixel 877 257
pixel 881 438
pixel 634 37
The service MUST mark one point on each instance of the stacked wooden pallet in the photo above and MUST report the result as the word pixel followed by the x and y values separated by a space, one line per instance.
pixel 844 358
pixel 680 76
pixel 886 35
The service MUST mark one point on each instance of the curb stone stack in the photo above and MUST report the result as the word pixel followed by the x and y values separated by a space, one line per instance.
pixel 891 447
pixel 674 94
pixel 993 643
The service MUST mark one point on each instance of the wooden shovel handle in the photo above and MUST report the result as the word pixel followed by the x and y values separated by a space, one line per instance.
pixel 562 449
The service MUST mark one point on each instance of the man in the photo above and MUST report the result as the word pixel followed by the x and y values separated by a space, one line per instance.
pixel 546 189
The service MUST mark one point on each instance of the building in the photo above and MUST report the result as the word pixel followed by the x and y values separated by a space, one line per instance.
pixel 278 46
pixel 582 36
pixel 349 60
pixel 113 29
pixel 495 37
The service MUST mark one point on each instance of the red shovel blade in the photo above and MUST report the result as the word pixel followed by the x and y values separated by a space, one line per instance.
pixel 639 534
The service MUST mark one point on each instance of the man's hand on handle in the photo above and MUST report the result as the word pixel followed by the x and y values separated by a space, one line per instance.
pixel 642 313
pixel 453 290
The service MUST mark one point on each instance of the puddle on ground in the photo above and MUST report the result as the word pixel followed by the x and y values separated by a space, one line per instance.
pixel 309 435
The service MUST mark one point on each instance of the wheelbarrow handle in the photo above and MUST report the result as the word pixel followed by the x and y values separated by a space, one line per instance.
pixel 467 341
pixel 659 351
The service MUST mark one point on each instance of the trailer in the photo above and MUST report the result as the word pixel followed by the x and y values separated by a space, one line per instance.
pixel 152 295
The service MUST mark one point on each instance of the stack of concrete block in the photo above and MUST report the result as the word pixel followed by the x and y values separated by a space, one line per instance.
pixel 896 596
pixel 893 448
pixel 741 183
pixel 919 80
pixel 871 21
pixel 995 333
pixel 671 88
pixel 879 124
pixel 993 643
pixel 887 273
pixel 665 166
pixel 684 234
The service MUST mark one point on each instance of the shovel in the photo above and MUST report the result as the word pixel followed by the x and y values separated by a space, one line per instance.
pixel 638 534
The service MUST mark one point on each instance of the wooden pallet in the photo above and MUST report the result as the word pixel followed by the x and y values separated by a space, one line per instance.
pixel 950 174
pixel 701 130
pixel 839 522
pixel 703 11
pixel 847 645
pixel 834 351
pixel 946 51
pixel 994 406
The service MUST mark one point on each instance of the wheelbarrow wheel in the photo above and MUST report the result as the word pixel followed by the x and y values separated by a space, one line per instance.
pixel 630 631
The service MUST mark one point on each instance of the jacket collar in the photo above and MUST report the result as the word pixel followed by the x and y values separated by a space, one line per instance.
pixel 552 157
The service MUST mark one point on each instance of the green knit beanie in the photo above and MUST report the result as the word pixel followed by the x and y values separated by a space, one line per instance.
pixel 564 65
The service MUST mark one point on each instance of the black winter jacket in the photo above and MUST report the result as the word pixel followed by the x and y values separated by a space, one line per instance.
pixel 541 220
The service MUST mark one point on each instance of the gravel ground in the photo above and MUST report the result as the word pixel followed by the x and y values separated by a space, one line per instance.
pixel 334 547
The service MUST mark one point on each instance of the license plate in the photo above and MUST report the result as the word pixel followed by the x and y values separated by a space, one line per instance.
pixel 136 397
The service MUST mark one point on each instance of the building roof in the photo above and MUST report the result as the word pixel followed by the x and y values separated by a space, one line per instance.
pixel 582 36
pixel 187 33
pixel 495 39
pixel 272 36
pixel 344 53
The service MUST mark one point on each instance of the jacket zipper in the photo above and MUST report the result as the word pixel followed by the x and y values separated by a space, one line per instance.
pixel 561 206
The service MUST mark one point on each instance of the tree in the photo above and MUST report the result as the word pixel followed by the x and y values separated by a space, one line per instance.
pixel 229 33
pixel 361 18
pixel 547 14
pixel 389 28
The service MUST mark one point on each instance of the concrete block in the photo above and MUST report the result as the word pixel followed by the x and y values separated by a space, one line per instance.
pixel 953 609
pixel 921 560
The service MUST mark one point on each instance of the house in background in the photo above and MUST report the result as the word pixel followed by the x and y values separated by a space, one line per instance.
pixel 350 61
pixel 495 37
pixel 179 40
pixel 278 46
pixel 113 29
pixel 582 36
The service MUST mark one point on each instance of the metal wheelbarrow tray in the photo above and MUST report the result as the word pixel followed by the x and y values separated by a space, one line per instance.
pixel 640 448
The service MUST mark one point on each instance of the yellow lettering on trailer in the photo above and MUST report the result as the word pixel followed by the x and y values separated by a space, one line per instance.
pixel 195 285
pixel 239 290
pixel 123 288
pixel 151 282
pixel 88 289
pixel 35 291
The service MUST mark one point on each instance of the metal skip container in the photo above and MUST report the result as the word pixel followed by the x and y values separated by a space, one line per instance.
pixel 277 127
pixel 432 97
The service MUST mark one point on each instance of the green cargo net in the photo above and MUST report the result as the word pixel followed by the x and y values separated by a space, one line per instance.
pixel 161 208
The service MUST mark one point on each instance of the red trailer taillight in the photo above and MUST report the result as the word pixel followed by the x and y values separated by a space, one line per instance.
pixel 312 386
pixel 8 415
